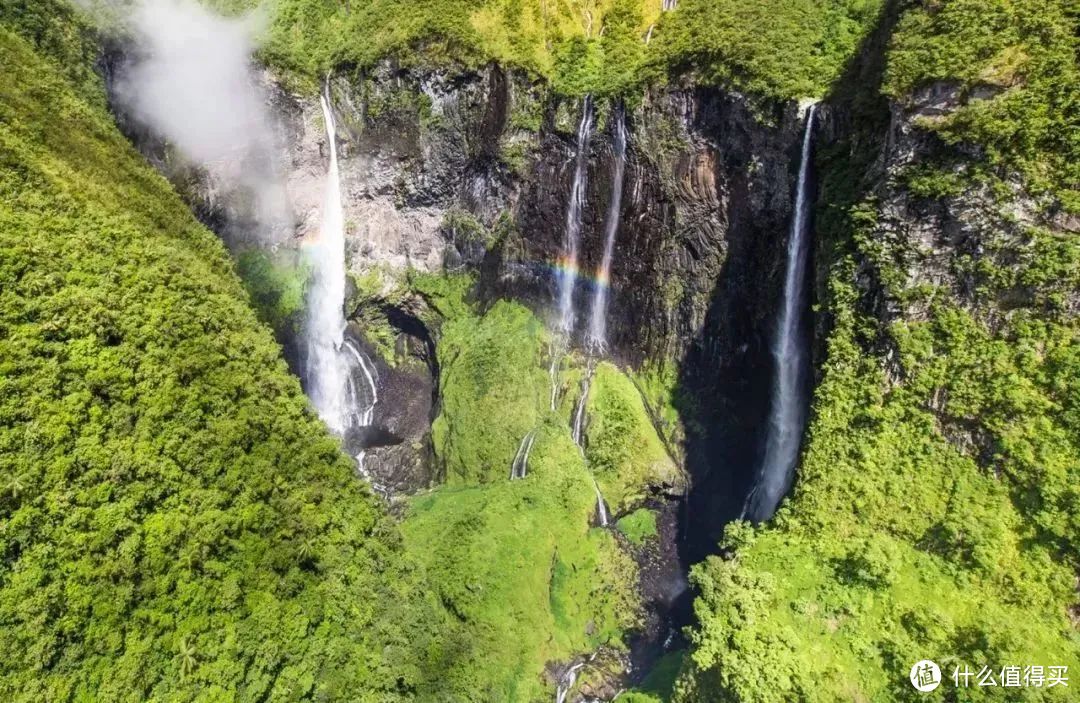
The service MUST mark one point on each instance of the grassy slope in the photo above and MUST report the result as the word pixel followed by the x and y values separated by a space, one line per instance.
pixel 900 544
pixel 622 447
pixel 774 48
pixel 516 561
pixel 174 523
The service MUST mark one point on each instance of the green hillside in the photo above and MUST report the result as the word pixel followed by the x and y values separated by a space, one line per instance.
pixel 937 510
pixel 174 522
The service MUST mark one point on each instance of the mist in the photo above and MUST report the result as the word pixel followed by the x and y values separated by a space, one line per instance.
pixel 190 81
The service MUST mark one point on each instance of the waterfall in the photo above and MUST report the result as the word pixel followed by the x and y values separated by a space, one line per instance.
pixel 578 432
pixel 520 466
pixel 553 371
pixel 601 509
pixel 667 5
pixel 566 682
pixel 568 265
pixel 788 412
pixel 578 426
pixel 341 380
pixel 597 335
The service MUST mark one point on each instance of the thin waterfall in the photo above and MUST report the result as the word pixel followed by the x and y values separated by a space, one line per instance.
pixel 596 339
pixel 566 682
pixel 553 370
pixel 787 416
pixel 341 380
pixel 601 508
pixel 567 269
pixel 568 264
pixel 519 468
pixel 577 428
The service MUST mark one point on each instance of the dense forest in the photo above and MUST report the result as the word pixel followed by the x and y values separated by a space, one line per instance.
pixel 526 519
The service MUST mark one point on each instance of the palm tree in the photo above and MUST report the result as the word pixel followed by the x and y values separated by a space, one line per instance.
pixel 15 486
pixel 187 653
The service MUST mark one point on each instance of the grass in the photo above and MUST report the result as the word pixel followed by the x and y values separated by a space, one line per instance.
pixel 518 565
pixel 622 446
pixel 639 526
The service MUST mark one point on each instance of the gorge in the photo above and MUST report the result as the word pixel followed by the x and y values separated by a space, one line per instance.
pixel 597 351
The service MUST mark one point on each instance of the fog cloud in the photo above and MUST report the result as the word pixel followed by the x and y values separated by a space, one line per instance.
pixel 191 81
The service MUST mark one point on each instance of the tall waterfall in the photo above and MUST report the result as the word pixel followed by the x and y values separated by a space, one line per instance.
pixel 341 380
pixel 597 335
pixel 787 415
pixel 568 265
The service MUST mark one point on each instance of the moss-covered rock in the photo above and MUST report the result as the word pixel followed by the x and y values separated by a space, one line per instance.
pixel 622 447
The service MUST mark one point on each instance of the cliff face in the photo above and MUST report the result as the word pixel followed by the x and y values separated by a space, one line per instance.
pixel 940 458
pixel 453 171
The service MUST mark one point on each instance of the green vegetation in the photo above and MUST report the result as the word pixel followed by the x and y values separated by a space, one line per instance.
pixel 174 522
pixel 622 447
pixel 936 513
pixel 639 526
pixel 176 525
pixel 771 48
pixel 518 565
pixel 659 684
pixel 779 48
pixel 276 284
pixel 1015 63
pixel 494 390
pixel 658 384
pixel 514 561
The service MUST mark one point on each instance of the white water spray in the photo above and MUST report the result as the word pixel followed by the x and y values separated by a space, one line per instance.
pixel 567 682
pixel 787 415
pixel 341 379
pixel 568 266
pixel 577 430
pixel 578 427
pixel 596 339
pixel 519 468
pixel 601 508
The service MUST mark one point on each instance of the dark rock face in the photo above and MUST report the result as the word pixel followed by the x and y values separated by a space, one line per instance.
pixel 459 170
pixel 473 170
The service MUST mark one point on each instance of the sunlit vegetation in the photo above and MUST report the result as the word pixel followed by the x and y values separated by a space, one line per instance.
pixel 775 48
pixel 639 526
pixel 622 447
pixel 937 508
pixel 174 522
pixel 516 561
pixel 176 525
pixel 1014 66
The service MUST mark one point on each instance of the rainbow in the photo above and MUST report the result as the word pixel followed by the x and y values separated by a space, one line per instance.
pixel 565 267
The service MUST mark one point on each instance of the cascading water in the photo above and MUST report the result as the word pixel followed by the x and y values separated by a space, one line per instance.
pixel 520 466
pixel 596 340
pixel 562 690
pixel 601 508
pixel 567 269
pixel 341 380
pixel 578 432
pixel 568 265
pixel 553 371
pixel 578 428
pixel 788 412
